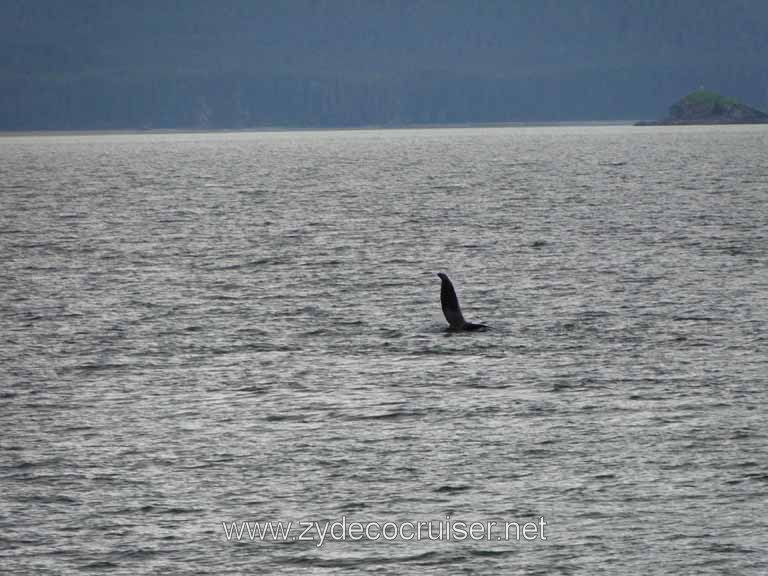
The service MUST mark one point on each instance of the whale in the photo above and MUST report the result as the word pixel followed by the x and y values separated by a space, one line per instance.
pixel 452 310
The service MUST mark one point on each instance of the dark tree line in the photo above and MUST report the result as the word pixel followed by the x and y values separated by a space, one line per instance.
pixel 88 64
pixel 235 101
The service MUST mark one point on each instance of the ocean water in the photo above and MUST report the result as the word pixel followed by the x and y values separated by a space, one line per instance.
pixel 206 330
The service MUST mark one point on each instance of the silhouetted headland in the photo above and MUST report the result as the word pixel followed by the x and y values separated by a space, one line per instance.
pixel 703 107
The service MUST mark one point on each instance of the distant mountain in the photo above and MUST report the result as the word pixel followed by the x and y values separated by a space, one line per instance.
pixel 703 107
pixel 98 64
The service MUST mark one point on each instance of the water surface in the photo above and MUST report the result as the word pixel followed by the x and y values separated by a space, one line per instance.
pixel 208 328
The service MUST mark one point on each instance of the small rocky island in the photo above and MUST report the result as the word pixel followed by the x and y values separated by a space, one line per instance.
pixel 703 107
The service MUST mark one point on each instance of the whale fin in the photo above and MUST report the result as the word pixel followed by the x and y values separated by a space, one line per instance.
pixel 451 308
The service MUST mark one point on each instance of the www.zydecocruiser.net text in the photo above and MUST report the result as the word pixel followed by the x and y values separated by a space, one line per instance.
pixel 353 531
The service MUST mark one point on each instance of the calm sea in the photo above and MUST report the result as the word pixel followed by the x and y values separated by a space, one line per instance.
pixel 207 333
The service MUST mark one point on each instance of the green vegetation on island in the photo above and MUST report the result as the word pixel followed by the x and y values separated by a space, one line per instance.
pixel 705 107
